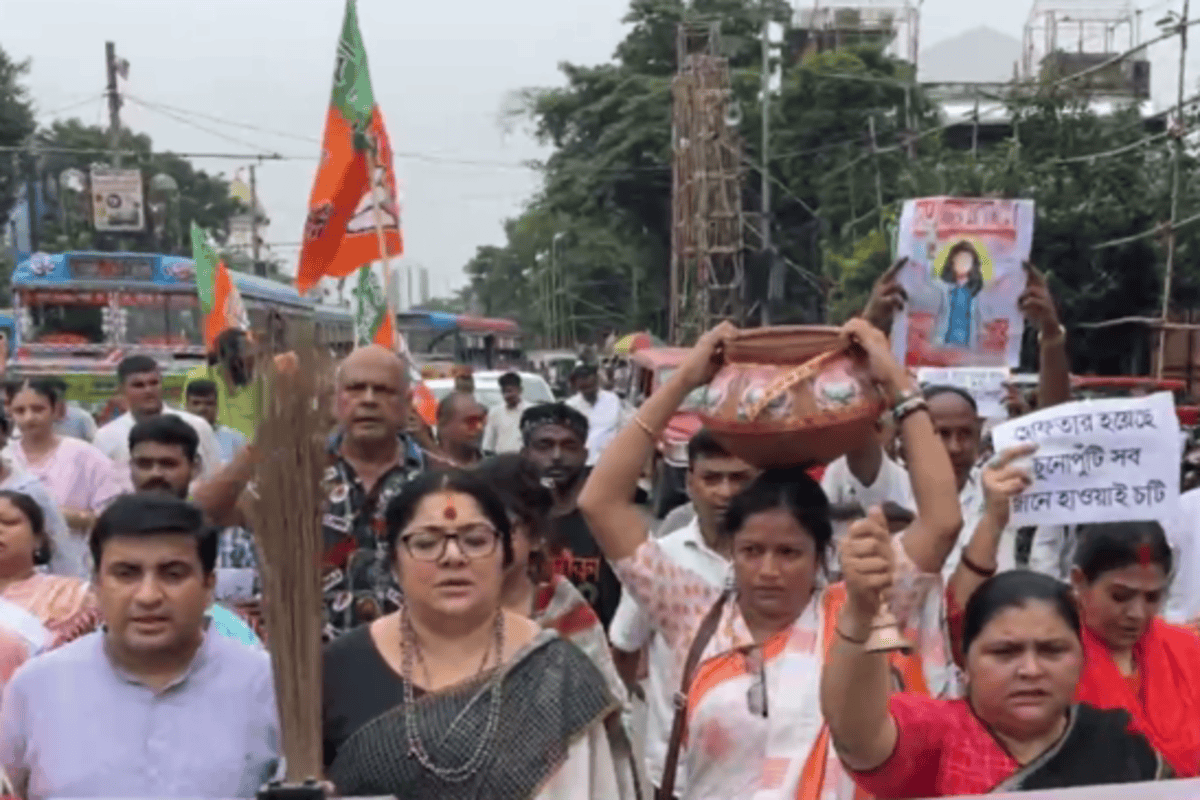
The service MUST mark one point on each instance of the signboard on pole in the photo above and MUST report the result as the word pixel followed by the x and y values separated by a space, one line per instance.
pixel 117 204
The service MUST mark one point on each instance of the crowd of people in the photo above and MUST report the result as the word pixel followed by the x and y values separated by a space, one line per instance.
pixel 496 601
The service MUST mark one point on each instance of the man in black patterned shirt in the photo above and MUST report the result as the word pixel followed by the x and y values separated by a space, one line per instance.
pixel 371 458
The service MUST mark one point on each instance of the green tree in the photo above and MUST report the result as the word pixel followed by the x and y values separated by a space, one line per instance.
pixel 16 125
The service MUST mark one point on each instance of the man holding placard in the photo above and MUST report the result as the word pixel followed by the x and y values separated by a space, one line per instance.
pixel 955 412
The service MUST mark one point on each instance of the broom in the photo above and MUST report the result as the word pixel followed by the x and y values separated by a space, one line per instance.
pixel 291 432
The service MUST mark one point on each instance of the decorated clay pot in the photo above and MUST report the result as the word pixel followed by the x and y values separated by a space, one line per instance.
pixel 791 395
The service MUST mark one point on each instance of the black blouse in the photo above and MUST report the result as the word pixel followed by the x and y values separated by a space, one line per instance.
pixel 359 685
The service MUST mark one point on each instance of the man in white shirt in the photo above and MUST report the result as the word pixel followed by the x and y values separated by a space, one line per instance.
pixel 868 477
pixel 713 478
pixel 140 382
pixel 955 417
pixel 502 433
pixel 602 408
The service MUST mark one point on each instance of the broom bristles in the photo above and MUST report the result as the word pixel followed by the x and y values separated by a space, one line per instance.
pixel 291 433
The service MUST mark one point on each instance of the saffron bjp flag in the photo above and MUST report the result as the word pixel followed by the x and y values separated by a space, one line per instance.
pixel 219 297
pixel 353 217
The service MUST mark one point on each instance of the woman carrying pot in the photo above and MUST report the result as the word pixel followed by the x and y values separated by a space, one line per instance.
pixel 753 724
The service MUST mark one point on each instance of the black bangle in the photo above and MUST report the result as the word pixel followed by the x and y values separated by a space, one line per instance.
pixel 978 570
pixel 838 630
pixel 907 408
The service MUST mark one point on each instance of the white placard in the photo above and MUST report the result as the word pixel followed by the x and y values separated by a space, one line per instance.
pixel 1112 460
pixel 117 199
pixel 986 384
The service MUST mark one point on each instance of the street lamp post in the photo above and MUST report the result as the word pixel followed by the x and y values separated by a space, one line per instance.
pixel 164 202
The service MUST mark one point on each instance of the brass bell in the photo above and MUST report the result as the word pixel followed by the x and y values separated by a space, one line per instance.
pixel 885 634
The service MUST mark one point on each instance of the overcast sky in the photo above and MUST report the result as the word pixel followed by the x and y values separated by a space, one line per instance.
pixel 441 71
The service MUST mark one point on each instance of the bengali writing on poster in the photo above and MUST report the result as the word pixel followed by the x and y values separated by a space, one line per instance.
pixel 1098 461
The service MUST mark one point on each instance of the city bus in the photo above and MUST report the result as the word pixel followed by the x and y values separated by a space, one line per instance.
pixel 77 314
pixel 437 339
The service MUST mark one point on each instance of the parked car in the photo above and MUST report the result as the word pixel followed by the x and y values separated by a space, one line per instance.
pixel 487 387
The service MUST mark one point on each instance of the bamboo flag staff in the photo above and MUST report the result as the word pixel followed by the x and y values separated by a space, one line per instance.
pixel 291 435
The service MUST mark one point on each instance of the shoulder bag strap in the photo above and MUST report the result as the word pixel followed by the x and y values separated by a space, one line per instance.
pixel 704 634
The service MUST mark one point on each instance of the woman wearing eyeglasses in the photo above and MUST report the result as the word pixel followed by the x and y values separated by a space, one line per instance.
pixel 452 696
pixel 753 721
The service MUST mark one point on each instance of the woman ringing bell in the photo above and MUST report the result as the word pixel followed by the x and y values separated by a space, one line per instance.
pixel 1017 728
pixel 1132 660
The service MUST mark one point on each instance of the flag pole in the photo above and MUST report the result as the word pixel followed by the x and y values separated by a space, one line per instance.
pixel 383 253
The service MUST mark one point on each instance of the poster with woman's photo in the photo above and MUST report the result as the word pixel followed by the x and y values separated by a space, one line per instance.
pixel 964 275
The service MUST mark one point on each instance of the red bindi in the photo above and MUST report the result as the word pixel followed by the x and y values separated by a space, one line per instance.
pixel 450 512
pixel 1145 554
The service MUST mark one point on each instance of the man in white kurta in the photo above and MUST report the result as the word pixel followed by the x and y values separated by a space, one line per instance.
pixel 140 383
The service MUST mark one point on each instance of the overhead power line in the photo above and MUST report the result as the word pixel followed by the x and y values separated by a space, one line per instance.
pixel 71 106
pixel 223 121
pixel 185 121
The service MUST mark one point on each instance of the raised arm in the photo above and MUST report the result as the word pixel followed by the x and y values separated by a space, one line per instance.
pixel 1002 480
pixel 218 496
pixel 607 498
pixel 887 297
pixel 1054 367
pixel 931 537
pixel 854 683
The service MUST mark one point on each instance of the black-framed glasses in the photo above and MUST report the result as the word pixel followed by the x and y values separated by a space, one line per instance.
pixel 756 695
pixel 429 544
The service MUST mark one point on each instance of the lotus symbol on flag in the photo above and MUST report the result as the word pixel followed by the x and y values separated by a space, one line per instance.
pixel 364 214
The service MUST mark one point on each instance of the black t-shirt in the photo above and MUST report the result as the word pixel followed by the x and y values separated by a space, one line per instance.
pixel 575 555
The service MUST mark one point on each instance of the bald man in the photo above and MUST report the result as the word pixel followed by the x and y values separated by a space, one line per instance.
pixel 371 458
pixel 460 422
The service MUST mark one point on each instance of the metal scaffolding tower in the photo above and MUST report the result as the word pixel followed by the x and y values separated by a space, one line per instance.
pixel 707 275
pixel 893 25
pixel 1063 37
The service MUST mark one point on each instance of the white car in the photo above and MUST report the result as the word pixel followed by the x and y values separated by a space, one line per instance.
pixel 534 388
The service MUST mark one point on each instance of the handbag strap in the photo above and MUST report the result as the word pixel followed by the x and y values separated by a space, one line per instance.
pixel 704 634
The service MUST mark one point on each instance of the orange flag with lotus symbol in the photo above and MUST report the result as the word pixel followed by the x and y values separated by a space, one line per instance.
pixel 353 216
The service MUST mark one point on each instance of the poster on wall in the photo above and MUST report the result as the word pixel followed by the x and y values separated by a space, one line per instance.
pixel 964 275
pixel 117 199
